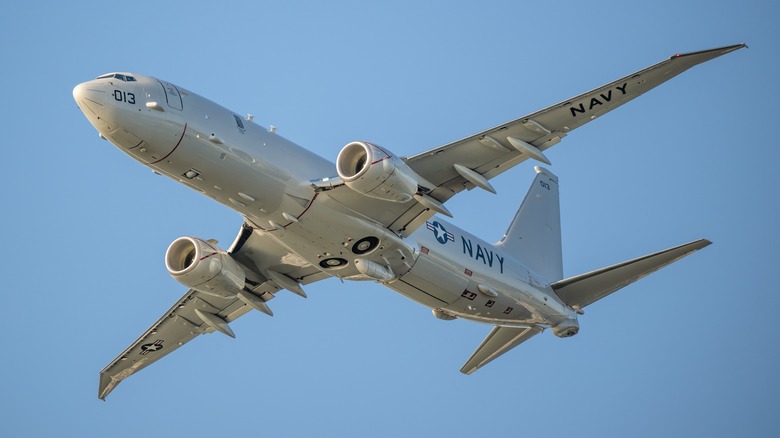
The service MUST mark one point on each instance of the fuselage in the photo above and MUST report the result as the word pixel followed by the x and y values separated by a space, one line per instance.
pixel 273 184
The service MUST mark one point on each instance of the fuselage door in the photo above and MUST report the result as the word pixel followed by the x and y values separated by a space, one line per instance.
pixel 172 95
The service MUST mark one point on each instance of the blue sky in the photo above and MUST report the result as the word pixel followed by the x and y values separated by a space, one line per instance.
pixel 690 350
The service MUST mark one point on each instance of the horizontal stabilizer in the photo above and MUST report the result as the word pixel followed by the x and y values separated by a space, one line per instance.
pixel 586 289
pixel 498 341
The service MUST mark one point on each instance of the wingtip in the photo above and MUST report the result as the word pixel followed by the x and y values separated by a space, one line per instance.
pixel 711 53
pixel 735 47
pixel 468 371
pixel 105 386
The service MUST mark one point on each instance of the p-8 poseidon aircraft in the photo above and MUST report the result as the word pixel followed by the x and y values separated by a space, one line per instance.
pixel 372 216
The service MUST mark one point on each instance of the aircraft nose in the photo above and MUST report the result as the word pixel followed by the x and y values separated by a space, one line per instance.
pixel 90 96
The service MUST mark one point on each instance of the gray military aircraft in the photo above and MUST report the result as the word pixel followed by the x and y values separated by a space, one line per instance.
pixel 371 216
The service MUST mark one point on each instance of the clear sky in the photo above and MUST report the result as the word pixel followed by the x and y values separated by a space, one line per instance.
pixel 689 351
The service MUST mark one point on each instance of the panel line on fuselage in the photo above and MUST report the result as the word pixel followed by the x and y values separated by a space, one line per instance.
pixel 444 303
pixel 175 147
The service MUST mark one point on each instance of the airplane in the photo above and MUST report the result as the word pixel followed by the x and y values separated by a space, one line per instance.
pixel 370 216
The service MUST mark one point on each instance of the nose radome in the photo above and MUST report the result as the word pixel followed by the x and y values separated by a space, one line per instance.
pixel 90 95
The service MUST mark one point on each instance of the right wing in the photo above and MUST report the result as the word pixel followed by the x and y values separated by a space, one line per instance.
pixel 455 167
pixel 496 150
pixel 197 313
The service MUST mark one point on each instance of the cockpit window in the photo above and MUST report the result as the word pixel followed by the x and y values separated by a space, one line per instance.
pixel 119 76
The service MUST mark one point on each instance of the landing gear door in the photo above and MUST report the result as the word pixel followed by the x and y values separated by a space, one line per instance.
pixel 172 95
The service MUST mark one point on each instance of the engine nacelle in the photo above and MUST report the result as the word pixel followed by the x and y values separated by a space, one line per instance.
pixel 566 328
pixel 375 172
pixel 202 266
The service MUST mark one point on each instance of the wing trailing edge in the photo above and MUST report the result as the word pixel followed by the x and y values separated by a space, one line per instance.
pixel 585 289
pixel 498 341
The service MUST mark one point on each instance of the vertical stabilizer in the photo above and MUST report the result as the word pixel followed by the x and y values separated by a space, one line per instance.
pixel 534 236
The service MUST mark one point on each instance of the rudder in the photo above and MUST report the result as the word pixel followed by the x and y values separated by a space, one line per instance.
pixel 534 236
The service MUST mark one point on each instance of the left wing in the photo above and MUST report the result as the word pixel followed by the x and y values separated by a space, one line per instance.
pixel 179 325
pixel 197 313
pixel 474 160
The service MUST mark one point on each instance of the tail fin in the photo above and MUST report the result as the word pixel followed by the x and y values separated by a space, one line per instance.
pixel 534 236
